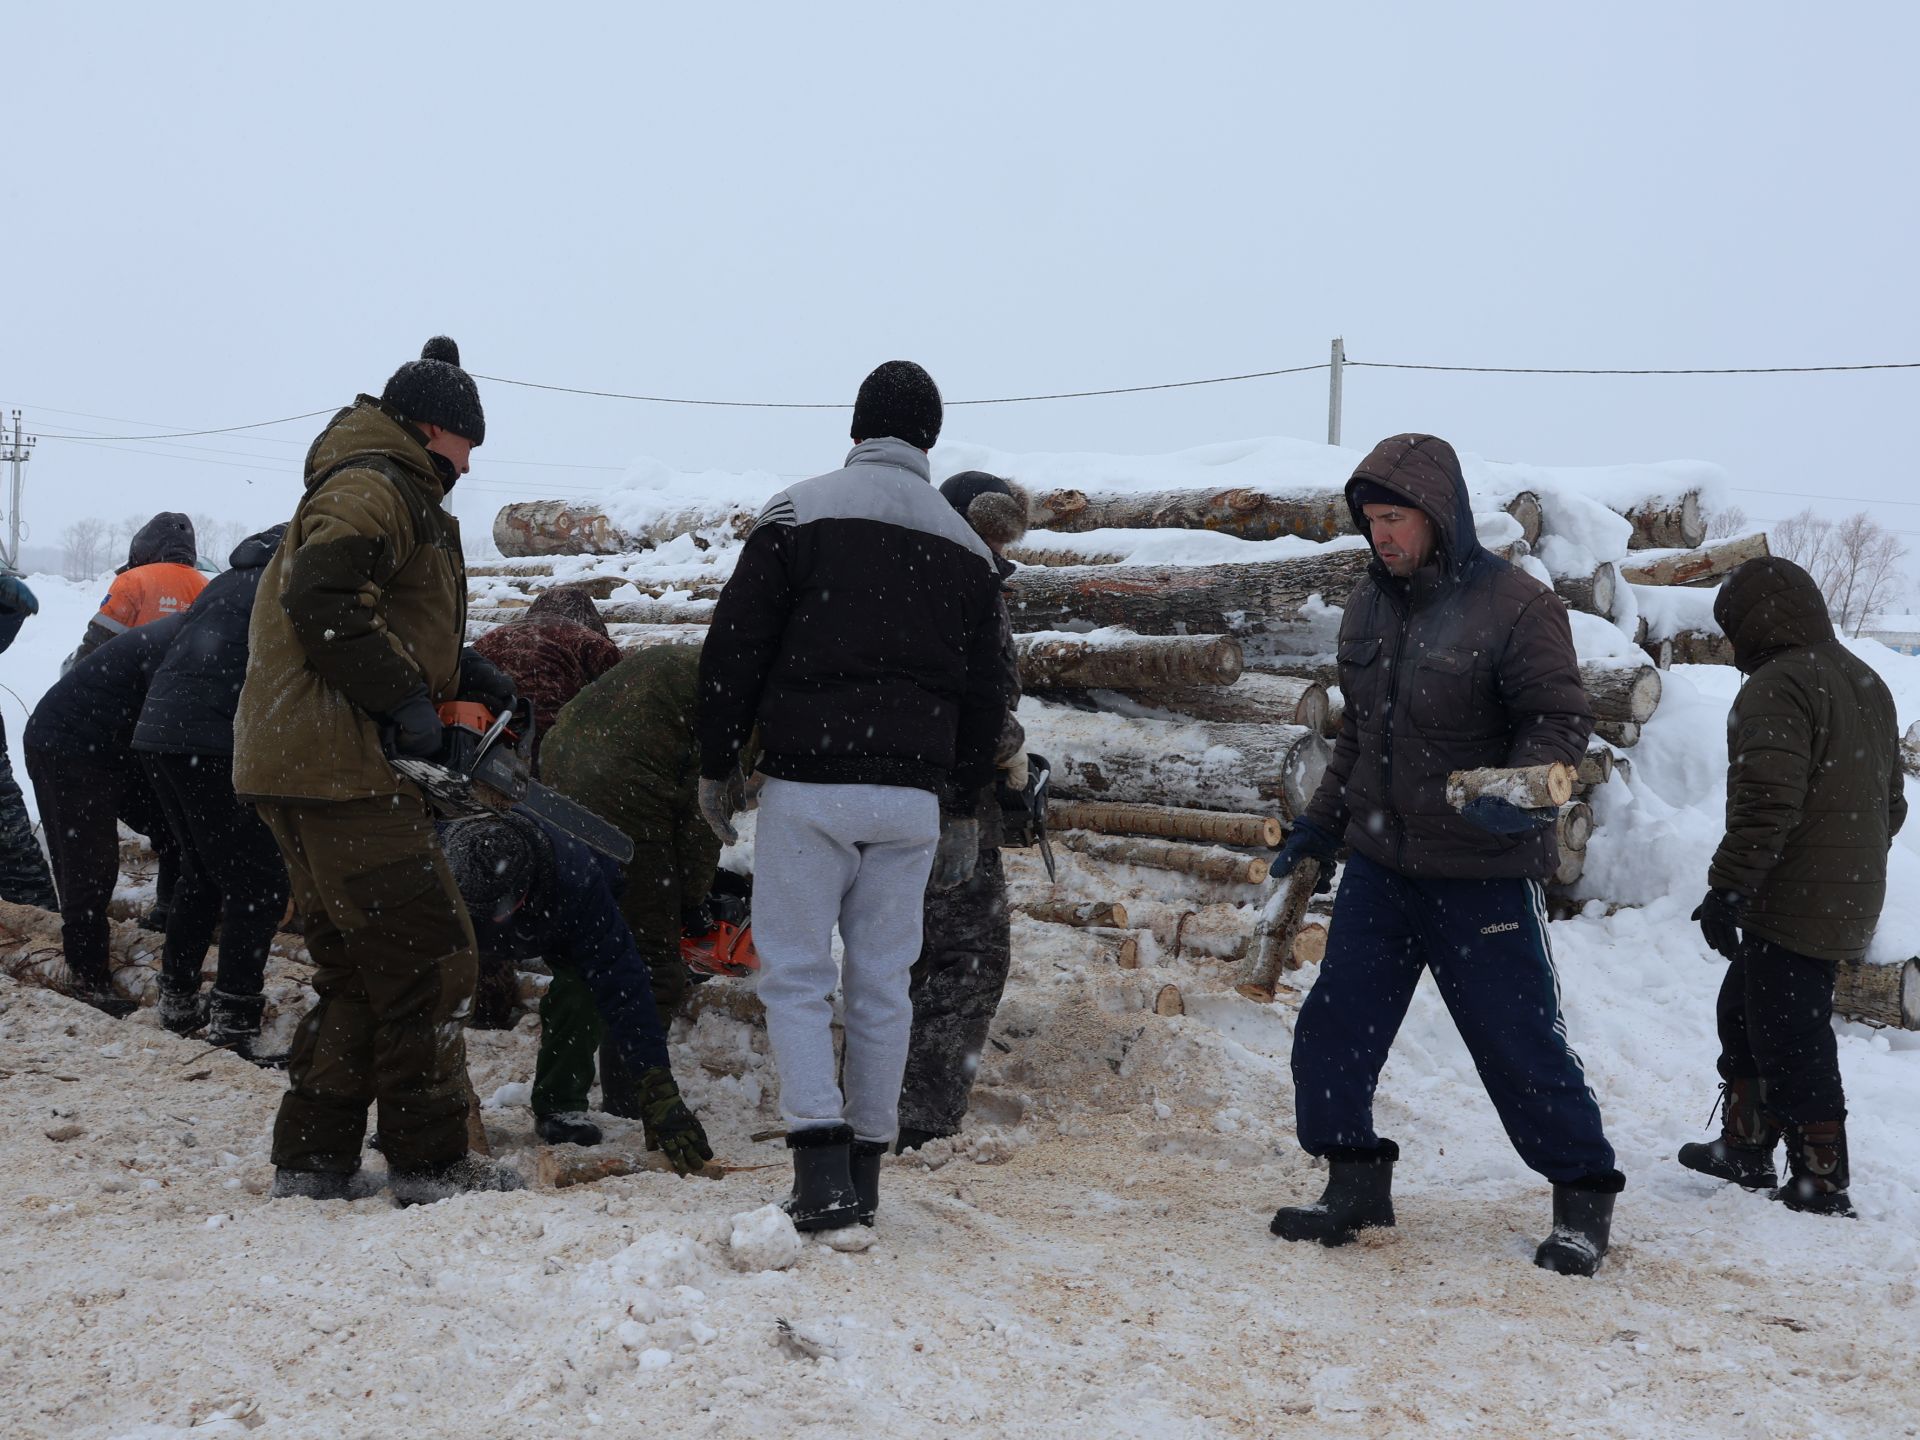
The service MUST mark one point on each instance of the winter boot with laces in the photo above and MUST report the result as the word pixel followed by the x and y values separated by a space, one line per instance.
pixel 233 1023
pixel 430 1183
pixel 1817 1169
pixel 823 1196
pixel 1744 1151
pixel 1582 1224
pixel 863 1168
pixel 1359 1196
pixel 182 1011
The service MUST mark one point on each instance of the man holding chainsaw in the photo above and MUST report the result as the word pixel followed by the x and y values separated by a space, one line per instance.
pixel 1450 659
pixel 354 644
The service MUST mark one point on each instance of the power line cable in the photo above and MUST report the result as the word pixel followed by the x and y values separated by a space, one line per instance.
pixel 186 434
pixel 1569 370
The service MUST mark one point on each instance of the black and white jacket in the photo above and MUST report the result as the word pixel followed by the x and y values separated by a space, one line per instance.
pixel 859 631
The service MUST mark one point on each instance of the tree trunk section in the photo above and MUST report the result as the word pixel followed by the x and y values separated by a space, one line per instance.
pixel 1200 765
pixel 555 527
pixel 1323 670
pixel 1208 862
pixel 1702 647
pixel 1621 689
pixel 1668 524
pixel 1887 995
pixel 1317 515
pixel 1531 787
pixel 1593 593
pixel 1594 770
pixel 1573 826
pixel 1082 914
pixel 1572 864
pixel 1252 699
pixel 1054 661
pixel 1693 567
pixel 1213 827
pixel 1280 921
pixel 1624 733
pixel 1910 749
pixel 558 1166
pixel 1260 597
pixel 1028 553
pixel 1122 945
pixel 1214 932
pixel 1525 507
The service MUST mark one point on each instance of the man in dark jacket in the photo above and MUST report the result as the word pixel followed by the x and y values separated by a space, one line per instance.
pixel 557 648
pixel 1450 659
pixel 23 865
pixel 80 758
pixel 231 871
pixel 1815 795
pixel 859 632
pixel 966 946
pixel 534 891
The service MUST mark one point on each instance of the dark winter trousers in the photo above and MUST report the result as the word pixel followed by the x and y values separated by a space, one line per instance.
pixel 957 982
pixel 80 805
pixel 1776 1025
pixel 230 871
pixel 1486 943
pixel 24 878
pixel 394 968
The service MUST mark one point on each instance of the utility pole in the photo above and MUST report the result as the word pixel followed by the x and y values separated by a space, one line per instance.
pixel 15 449
pixel 1339 363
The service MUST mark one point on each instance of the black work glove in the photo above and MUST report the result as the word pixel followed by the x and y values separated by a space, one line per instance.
pixel 671 1127
pixel 484 681
pixel 417 730
pixel 1307 840
pixel 958 852
pixel 1719 916
pixel 1503 817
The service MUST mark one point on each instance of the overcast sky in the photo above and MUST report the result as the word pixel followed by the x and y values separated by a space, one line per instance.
pixel 225 214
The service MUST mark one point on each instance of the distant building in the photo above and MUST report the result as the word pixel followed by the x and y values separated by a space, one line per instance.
pixel 1896 632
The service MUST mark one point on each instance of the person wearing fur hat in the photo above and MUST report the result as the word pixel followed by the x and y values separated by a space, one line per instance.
pixel 967 947
pixel 362 643
pixel 556 648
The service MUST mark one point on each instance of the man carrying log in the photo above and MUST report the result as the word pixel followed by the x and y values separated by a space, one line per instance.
pixel 1815 795
pixel 1450 659
pixel 860 630
pixel 966 946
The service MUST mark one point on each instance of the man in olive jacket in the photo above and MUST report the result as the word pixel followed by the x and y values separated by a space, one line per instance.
pixel 1815 796
pixel 355 638
pixel 1450 659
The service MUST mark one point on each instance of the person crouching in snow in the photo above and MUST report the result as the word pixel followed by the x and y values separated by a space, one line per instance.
pixel 533 891
pixel 1815 795
pixel 967 947
pixel 860 631
pixel 1450 659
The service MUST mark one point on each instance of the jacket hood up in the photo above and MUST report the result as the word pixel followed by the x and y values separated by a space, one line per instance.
pixel 256 550
pixel 367 427
pixel 1424 469
pixel 1769 605
pixel 166 539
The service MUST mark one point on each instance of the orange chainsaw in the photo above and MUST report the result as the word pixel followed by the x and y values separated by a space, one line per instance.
pixel 485 765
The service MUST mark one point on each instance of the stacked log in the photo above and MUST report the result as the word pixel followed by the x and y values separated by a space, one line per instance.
pixel 1262 597
pixel 1702 647
pixel 1060 661
pixel 1252 699
pixel 1594 594
pixel 1668 524
pixel 555 527
pixel 1169 822
pixel 1525 508
pixel 1207 862
pixel 1705 566
pixel 1317 515
pixel 1622 690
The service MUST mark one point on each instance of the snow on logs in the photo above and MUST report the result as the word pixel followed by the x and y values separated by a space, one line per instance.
pixel 1082 914
pixel 1263 596
pixel 1705 566
pixel 1317 515
pixel 1065 661
pixel 1214 827
pixel 555 527
pixel 1594 593
pixel 1667 522
pixel 1252 699
pixel 1622 690
pixel 1199 764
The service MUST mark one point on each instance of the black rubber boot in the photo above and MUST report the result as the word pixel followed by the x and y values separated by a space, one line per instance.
pixel 1359 1196
pixel 233 1023
pixel 823 1196
pixel 469 1173
pixel 569 1127
pixel 1817 1175
pixel 1582 1224
pixel 1744 1151
pixel 863 1167
pixel 181 1011
pixel 310 1185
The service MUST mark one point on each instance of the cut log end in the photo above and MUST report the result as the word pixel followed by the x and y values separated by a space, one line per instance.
pixel 558 1166
pixel 1309 946
pixel 1169 1001
pixel 1532 787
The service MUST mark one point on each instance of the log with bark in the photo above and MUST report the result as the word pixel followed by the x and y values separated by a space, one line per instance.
pixel 1702 647
pixel 1910 749
pixel 1885 995
pixel 1122 946
pixel 1667 524
pixel 1531 787
pixel 1096 914
pixel 1323 670
pixel 1216 932
pixel 1060 661
pixel 1279 926
pixel 1622 689
pixel 1525 507
pixel 1706 565
pixel 1316 515
pixel 558 1166
pixel 1624 733
pixel 1258 597
pixel 1572 864
pixel 1594 594
pixel 1208 862
pixel 1660 652
pixel 1253 699
pixel 1030 553
pixel 1216 827
pixel 644 637
pixel 1203 765
pixel 618 612
pixel 1168 1001
pixel 1594 770
pixel 556 527
pixel 1573 825
pixel 1336 713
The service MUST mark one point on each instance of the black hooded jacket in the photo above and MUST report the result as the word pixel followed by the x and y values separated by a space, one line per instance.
pixel 1815 792
pixel 166 539
pixel 1468 663
pixel 90 712
pixel 190 703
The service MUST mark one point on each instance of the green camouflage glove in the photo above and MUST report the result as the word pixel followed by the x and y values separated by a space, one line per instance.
pixel 671 1127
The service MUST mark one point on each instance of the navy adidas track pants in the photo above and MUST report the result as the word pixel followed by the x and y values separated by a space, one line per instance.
pixel 1486 943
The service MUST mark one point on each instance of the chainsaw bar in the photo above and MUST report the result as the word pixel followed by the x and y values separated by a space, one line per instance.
pixel 578 821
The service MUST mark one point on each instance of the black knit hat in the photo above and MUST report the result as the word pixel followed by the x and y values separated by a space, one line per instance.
pixel 899 400
pixel 434 390
pixel 494 860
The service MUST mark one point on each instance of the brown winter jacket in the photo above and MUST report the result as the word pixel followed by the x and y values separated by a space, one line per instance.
pixel 552 653
pixel 1814 788
pixel 1468 663
pixel 363 604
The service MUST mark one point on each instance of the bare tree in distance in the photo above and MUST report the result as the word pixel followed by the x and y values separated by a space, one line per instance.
pixel 123 534
pixel 83 548
pixel 1730 521
pixel 1855 562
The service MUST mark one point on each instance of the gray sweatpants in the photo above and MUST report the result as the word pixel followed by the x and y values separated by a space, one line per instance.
pixel 858 856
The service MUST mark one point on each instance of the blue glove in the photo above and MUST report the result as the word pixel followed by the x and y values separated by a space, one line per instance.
pixel 1307 840
pixel 1503 817
pixel 15 596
